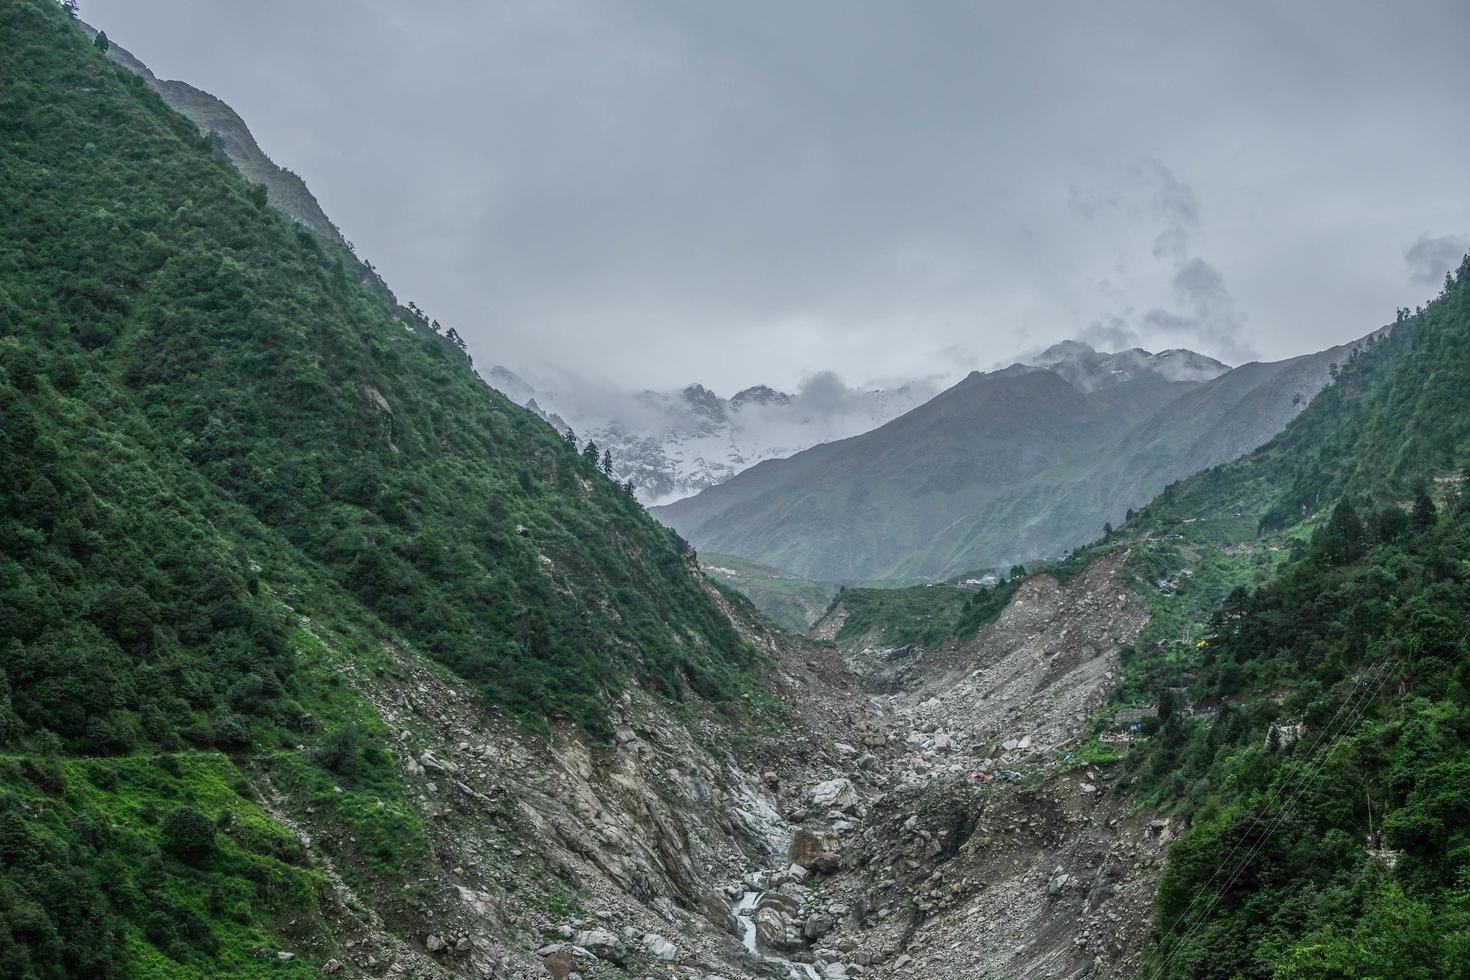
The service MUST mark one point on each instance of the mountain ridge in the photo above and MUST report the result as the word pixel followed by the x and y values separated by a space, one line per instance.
pixel 934 466
pixel 670 444
pixel 1222 419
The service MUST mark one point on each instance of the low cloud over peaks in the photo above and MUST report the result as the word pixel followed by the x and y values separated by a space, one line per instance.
pixel 1200 312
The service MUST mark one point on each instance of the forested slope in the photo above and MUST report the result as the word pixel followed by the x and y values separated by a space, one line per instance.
pixel 227 463
pixel 1314 732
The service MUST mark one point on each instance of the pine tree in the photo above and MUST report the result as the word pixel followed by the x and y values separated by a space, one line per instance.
pixel 607 462
pixel 570 439
pixel 1341 540
pixel 101 42
pixel 1425 513
pixel 589 453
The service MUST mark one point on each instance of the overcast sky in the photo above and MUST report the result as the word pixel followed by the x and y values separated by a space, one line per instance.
pixel 659 192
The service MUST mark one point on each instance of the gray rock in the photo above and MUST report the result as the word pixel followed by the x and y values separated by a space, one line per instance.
pixel 818 926
pixel 602 944
pixel 838 794
pixel 660 947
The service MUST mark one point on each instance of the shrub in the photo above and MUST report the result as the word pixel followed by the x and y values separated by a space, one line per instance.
pixel 188 835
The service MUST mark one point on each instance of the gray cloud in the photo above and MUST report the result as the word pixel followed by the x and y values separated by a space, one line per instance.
pixel 1430 258
pixel 1112 333
pixel 1202 314
pixel 735 193
pixel 1213 321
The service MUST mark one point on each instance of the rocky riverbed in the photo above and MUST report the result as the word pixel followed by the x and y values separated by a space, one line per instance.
pixel 937 829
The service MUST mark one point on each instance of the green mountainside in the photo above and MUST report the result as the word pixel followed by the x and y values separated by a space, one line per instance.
pixel 788 600
pixel 228 465
pixel 1328 587
pixel 1222 419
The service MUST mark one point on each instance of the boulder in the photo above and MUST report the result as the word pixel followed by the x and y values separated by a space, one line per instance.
pixel 836 794
pixel 557 959
pixel 602 944
pixel 815 849
pixel 775 929
pixel 660 948
pixel 818 926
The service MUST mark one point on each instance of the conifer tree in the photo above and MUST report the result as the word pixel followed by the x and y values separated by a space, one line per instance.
pixel 1425 513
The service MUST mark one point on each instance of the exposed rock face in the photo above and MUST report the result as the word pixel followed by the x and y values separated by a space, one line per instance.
pixel 835 794
pixel 889 854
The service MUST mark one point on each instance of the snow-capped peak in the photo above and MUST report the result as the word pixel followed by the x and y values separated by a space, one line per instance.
pixel 672 444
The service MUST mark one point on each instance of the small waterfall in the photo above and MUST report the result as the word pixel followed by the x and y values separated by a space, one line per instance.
pixel 743 909
pixel 744 916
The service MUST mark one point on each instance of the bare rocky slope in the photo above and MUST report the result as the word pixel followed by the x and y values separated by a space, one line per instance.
pixel 912 817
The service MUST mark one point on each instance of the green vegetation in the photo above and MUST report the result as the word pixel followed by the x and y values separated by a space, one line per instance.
pixel 145 865
pixel 928 615
pixel 203 404
pixel 788 600
pixel 1337 848
pixel 234 476
pixel 919 614
pixel 1362 641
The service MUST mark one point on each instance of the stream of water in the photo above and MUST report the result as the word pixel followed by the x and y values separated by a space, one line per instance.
pixel 744 914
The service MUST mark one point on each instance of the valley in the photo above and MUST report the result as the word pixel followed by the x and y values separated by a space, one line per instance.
pixel 322 654
pixel 877 834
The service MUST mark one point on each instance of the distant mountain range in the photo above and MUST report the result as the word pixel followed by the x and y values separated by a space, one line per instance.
pixel 671 444
pixel 1006 466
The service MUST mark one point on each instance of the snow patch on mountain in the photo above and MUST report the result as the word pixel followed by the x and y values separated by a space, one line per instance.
pixel 671 444
pixel 1088 370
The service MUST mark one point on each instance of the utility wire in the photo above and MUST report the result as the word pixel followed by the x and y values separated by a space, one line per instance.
pixel 1311 770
